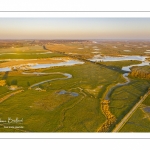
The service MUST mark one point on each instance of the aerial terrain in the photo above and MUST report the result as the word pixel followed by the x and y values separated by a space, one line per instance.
pixel 74 86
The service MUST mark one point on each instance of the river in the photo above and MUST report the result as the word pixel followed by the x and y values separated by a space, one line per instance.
pixel 124 68
pixel 125 75
pixel 106 58
pixel 67 76
pixel 39 66
pixel 94 59
pixel 118 58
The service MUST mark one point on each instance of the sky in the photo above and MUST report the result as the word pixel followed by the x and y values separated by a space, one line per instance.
pixel 74 28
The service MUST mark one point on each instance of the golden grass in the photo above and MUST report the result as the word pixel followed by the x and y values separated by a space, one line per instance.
pixel 2 82
pixel 110 118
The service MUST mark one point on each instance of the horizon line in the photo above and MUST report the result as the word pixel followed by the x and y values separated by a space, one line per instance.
pixel 77 39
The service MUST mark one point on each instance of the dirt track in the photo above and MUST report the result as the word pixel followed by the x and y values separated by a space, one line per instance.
pixel 130 113
pixel 9 95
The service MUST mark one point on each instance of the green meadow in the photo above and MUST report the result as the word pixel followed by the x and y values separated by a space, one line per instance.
pixel 139 122
pixel 26 52
pixel 47 111
pixel 52 107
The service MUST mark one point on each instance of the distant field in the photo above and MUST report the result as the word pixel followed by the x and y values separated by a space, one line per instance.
pixel 30 52
pixel 29 56
pixel 89 49
pixel 120 64
pixel 23 49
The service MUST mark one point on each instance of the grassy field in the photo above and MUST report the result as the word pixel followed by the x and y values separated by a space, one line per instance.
pixel 30 56
pixel 140 120
pixel 112 48
pixel 65 113
pixel 120 64
pixel 47 110
pixel 26 52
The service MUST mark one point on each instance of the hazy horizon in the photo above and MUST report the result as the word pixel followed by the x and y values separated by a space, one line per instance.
pixel 74 28
pixel 74 39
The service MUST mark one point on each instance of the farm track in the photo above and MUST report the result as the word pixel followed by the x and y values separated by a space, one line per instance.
pixel 130 113
pixel 9 95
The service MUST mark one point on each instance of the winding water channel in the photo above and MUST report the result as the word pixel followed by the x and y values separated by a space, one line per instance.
pixel 94 59
pixel 125 75
pixel 39 66
pixel 67 76
pixel 125 68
